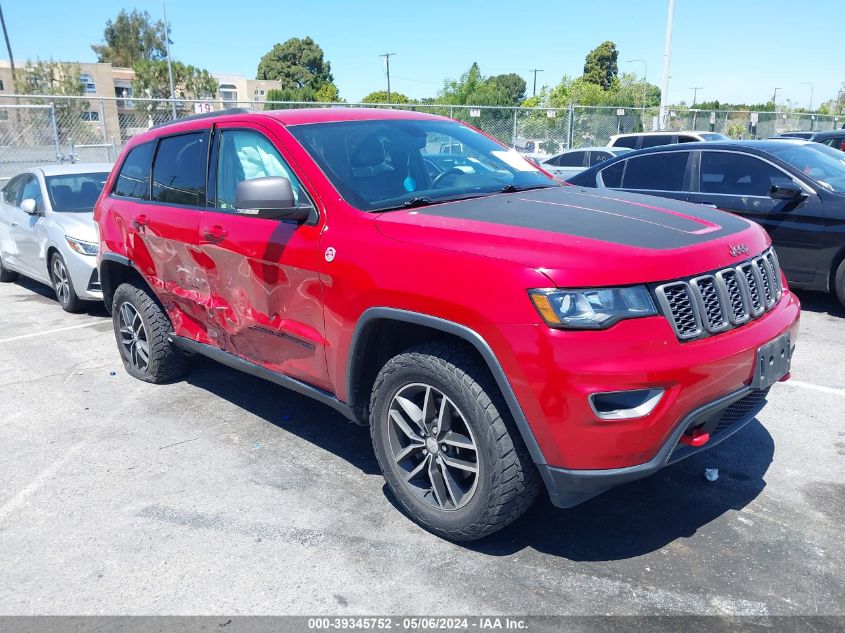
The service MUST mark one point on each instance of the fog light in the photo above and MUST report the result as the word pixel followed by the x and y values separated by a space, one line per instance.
pixel 625 405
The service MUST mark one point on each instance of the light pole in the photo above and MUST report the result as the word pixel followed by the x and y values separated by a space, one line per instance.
pixel 645 77
pixel 775 99
pixel 667 56
pixel 169 66
pixel 535 71
pixel 807 83
pixel 8 48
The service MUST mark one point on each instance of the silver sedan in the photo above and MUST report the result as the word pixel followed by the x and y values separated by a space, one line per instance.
pixel 574 161
pixel 47 230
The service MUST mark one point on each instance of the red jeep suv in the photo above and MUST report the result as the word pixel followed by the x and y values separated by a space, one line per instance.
pixel 497 331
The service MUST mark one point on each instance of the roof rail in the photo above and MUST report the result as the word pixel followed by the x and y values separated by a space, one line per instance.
pixel 204 115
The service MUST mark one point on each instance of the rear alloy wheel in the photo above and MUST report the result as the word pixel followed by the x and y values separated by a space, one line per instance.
pixel 6 274
pixel 446 444
pixel 63 285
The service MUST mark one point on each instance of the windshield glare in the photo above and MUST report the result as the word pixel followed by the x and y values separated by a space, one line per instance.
pixel 75 193
pixel 383 164
pixel 821 163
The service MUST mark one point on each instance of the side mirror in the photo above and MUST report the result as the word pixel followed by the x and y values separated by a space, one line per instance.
pixel 786 192
pixel 29 206
pixel 269 198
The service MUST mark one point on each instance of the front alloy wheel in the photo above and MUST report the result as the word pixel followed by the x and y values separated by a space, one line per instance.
pixel 133 338
pixel 433 446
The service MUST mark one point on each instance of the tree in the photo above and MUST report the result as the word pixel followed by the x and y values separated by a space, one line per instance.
pixel 55 78
pixel 130 38
pixel 286 94
pixel 152 80
pixel 601 66
pixel 511 87
pixel 298 63
pixel 328 93
pixel 380 96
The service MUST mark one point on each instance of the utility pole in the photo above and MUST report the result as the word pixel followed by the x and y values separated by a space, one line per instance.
pixel 8 48
pixel 667 55
pixel 695 90
pixel 775 99
pixel 387 65
pixel 807 83
pixel 169 66
pixel 535 71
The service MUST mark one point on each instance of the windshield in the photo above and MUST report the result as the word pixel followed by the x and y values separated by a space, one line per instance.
pixel 75 193
pixel 821 163
pixel 387 164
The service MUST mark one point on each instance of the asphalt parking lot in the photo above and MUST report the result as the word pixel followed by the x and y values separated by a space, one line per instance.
pixel 225 494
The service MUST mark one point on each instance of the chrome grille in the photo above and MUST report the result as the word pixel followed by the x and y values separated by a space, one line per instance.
pixel 719 301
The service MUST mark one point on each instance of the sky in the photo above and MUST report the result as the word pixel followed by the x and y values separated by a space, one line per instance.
pixel 734 50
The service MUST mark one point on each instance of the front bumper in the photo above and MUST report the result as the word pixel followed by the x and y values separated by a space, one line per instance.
pixel 726 416
pixel 84 275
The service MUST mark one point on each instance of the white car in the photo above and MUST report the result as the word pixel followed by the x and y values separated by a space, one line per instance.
pixel 47 230
pixel 574 161
pixel 640 140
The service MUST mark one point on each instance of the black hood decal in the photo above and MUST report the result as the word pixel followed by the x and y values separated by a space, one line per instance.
pixel 609 216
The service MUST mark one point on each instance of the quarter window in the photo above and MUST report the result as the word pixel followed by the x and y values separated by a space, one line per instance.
pixel 738 174
pixel 11 191
pixel 179 170
pixel 245 155
pixel 657 172
pixel 133 181
pixel 612 176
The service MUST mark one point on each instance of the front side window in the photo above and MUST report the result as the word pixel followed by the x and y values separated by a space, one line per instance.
pixel 133 181
pixel 657 172
pixel 385 164
pixel 179 169
pixel 245 155
pixel 75 193
pixel 32 189
pixel 821 163
pixel 738 174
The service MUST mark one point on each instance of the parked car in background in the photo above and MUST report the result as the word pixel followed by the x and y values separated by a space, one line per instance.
pixel 803 135
pixel 639 140
pixel 574 161
pixel 47 231
pixel 497 331
pixel 831 138
pixel 795 189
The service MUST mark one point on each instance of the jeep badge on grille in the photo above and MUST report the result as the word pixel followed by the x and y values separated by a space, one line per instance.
pixel 738 249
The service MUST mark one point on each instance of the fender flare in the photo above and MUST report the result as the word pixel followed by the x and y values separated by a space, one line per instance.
pixel 466 334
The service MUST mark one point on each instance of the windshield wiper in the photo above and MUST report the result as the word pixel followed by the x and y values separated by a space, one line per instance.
pixel 510 188
pixel 419 201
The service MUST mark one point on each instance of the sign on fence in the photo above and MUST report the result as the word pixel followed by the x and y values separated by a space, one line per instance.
pixel 475 112
pixel 203 107
pixel 551 114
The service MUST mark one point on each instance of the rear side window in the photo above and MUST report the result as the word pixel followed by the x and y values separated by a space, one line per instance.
pixel 658 172
pixel 612 176
pixel 133 179
pixel 653 140
pixel 626 141
pixel 572 159
pixel 597 157
pixel 179 169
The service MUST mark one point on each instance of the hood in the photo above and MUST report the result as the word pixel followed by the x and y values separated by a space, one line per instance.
pixel 580 236
pixel 78 225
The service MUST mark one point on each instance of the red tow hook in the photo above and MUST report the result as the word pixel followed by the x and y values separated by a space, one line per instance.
pixel 696 438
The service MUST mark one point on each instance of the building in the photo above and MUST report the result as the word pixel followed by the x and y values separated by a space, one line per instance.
pixel 112 112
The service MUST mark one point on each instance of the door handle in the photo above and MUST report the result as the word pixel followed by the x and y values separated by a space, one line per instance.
pixel 140 220
pixel 214 232
pixel 14 223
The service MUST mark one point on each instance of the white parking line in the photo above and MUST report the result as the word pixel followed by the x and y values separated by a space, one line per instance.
pixel 820 388
pixel 46 332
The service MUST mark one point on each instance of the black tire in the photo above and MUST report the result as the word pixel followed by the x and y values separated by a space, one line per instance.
pixel 164 361
pixel 7 275
pixel 506 481
pixel 63 286
pixel 839 282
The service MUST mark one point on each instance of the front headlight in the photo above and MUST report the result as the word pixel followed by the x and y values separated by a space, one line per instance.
pixel 81 247
pixel 591 308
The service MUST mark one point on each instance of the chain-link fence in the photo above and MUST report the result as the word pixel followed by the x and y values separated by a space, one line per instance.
pixel 41 129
